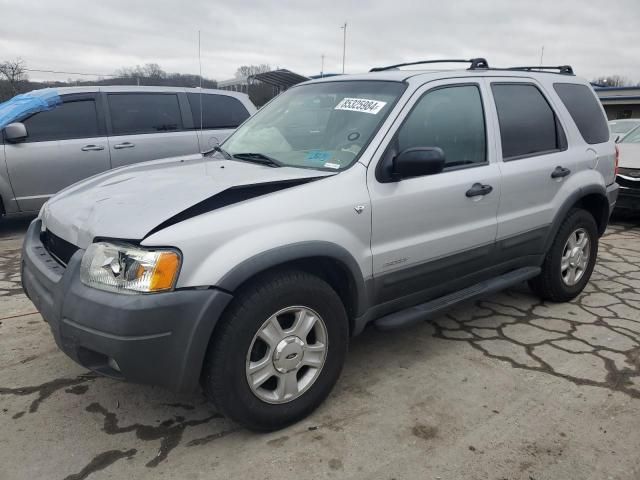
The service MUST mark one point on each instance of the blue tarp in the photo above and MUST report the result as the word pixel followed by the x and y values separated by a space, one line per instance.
pixel 22 105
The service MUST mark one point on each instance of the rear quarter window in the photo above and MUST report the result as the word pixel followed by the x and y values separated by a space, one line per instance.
pixel 218 111
pixel 585 111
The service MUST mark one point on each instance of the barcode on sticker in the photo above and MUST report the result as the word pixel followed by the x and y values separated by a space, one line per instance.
pixel 361 105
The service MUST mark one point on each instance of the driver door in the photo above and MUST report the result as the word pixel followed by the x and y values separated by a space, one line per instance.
pixel 434 234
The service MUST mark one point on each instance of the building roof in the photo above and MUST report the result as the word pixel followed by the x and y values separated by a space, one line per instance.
pixel 282 78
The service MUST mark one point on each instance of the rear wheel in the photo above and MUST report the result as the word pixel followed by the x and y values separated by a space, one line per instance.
pixel 278 351
pixel 570 261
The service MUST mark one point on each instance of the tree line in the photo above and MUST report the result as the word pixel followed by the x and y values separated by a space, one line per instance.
pixel 14 78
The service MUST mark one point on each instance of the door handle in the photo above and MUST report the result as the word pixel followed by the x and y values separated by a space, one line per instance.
pixel 478 189
pixel 123 145
pixel 560 172
pixel 92 148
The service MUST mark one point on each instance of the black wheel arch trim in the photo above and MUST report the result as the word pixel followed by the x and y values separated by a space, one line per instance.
pixel 573 200
pixel 282 255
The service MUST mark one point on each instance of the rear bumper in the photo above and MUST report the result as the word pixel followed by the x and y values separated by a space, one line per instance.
pixel 159 339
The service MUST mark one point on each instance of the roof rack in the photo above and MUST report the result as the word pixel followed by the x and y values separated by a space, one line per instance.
pixel 476 63
pixel 562 69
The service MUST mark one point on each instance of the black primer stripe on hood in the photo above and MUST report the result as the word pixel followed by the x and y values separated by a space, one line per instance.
pixel 230 196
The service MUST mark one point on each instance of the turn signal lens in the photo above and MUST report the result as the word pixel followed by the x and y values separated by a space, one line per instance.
pixel 165 272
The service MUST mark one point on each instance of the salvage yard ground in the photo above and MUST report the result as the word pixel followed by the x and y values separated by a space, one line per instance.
pixel 503 388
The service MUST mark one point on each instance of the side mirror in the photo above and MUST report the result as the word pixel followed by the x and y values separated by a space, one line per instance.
pixel 15 132
pixel 418 161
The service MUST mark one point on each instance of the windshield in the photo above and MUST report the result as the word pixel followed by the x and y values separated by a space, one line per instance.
pixel 633 137
pixel 623 127
pixel 321 125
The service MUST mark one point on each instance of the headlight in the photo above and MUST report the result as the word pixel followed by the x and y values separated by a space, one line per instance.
pixel 128 269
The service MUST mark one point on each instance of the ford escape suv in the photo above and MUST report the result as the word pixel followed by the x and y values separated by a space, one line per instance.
pixel 379 198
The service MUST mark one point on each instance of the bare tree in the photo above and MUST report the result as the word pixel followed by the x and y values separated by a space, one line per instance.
pixel 153 70
pixel 248 70
pixel 149 70
pixel 14 71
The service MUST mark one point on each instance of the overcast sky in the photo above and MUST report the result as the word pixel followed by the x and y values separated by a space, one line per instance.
pixel 99 37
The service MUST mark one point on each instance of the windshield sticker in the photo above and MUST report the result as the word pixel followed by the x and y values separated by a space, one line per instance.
pixel 335 166
pixel 318 156
pixel 360 105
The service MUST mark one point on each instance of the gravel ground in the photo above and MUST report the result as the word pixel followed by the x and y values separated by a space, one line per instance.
pixel 503 388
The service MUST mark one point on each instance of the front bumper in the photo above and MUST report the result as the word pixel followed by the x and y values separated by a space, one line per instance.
pixel 629 197
pixel 158 339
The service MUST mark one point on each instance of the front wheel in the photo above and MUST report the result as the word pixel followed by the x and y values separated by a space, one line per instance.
pixel 278 351
pixel 570 261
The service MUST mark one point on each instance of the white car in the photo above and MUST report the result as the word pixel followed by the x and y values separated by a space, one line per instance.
pixel 623 127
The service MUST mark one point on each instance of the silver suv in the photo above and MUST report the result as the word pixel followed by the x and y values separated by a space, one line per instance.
pixel 94 129
pixel 381 198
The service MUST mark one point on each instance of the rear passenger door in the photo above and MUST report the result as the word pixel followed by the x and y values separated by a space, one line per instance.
pixel 535 165
pixel 63 145
pixel 148 126
pixel 219 116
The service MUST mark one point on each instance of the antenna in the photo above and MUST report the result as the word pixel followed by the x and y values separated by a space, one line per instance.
pixel 344 44
pixel 200 65
pixel 542 56
pixel 322 67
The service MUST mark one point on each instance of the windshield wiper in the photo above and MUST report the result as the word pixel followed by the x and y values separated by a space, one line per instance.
pixel 218 149
pixel 258 158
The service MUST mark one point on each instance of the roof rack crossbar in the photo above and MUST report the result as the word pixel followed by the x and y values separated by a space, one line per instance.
pixel 563 69
pixel 476 63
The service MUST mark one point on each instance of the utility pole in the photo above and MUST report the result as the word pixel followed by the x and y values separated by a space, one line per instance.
pixel 322 66
pixel 344 44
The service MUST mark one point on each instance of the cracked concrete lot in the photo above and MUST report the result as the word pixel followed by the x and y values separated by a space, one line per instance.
pixel 504 388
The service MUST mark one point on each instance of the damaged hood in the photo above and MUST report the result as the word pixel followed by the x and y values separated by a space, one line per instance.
pixel 129 202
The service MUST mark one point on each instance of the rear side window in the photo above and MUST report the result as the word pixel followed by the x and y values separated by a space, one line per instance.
pixel 136 113
pixel 528 125
pixel 585 111
pixel 451 118
pixel 218 111
pixel 73 119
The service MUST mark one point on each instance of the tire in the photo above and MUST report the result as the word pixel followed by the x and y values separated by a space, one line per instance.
pixel 234 348
pixel 554 283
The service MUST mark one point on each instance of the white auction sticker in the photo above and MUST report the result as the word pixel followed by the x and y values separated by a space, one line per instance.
pixel 335 166
pixel 360 105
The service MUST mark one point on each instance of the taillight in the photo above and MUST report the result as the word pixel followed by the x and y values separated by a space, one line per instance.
pixel 617 160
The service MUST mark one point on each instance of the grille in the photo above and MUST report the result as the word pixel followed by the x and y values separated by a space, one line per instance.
pixel 59 248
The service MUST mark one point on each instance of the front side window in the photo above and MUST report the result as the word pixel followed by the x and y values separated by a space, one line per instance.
pixel 318 125
pixel 218 111
pixel 72 119
pixel 633 137
pixel 137 113
pixel 622 127
pixel 451 118
pixel 528 125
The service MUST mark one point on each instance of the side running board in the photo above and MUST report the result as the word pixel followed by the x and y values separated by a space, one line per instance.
pixel 418 313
